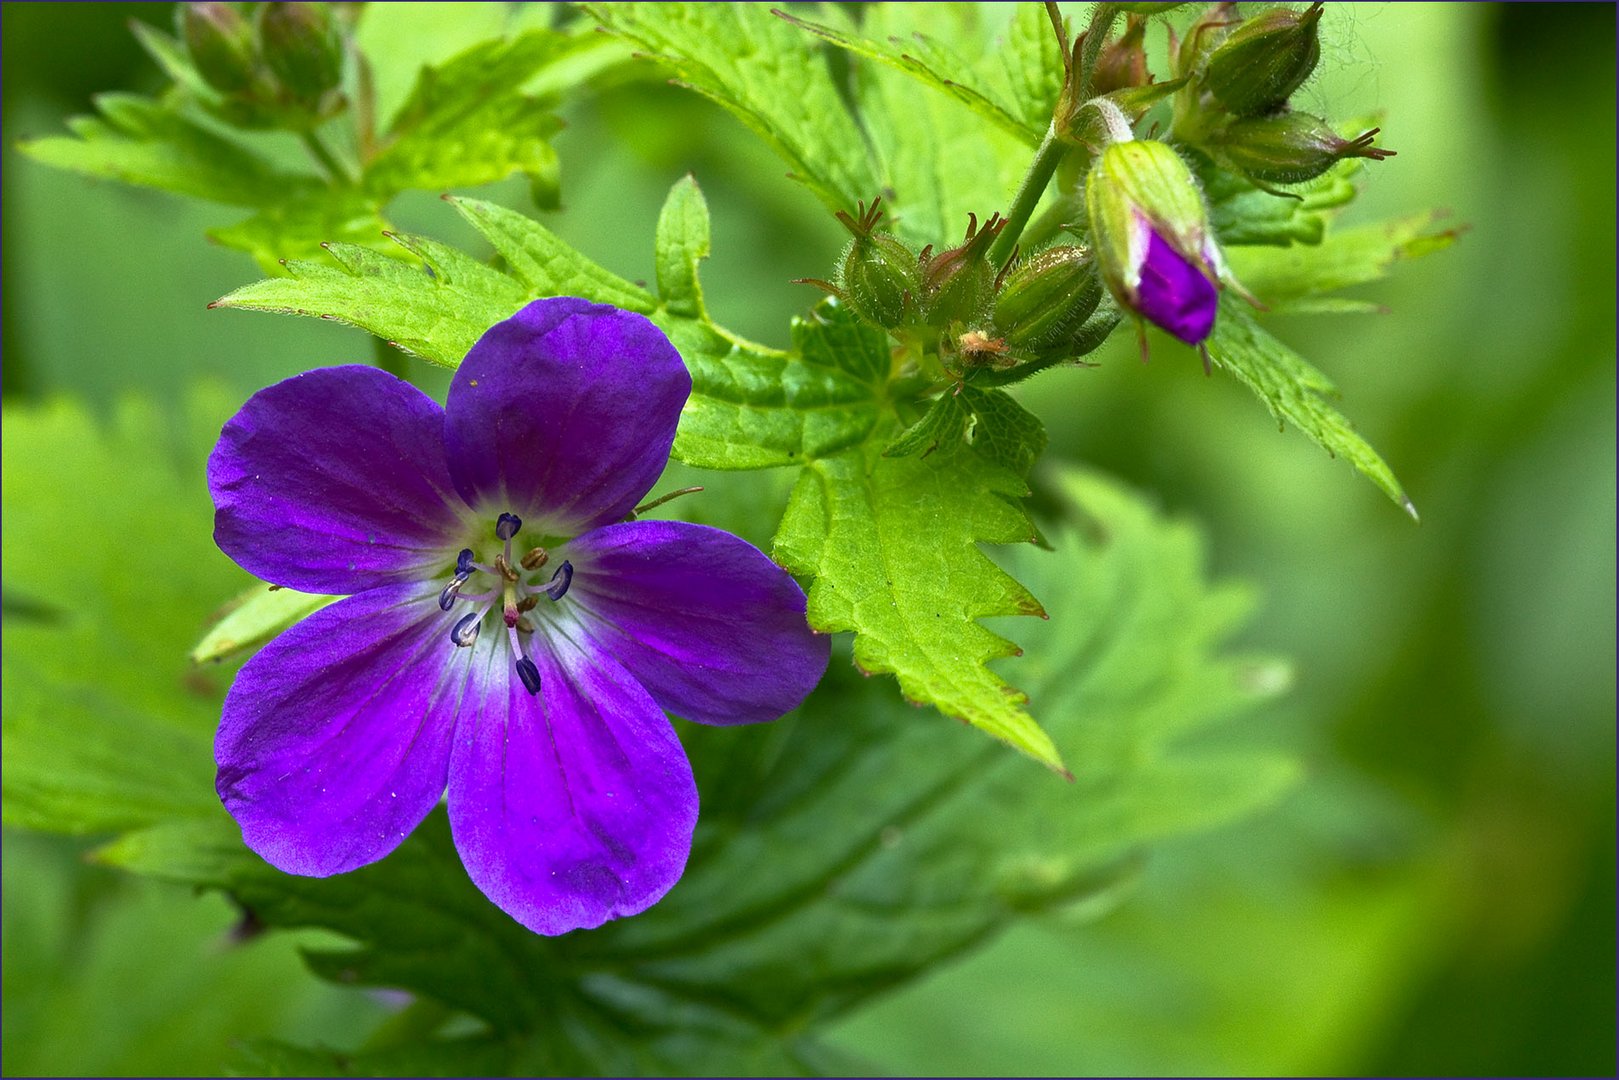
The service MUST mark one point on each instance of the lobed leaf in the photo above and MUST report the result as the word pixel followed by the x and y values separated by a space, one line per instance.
pixel 1294 391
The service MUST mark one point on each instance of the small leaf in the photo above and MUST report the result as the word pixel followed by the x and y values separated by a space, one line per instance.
pixel 1004 432
pixel 943 425
pixel 253 618
pixel 1293 390
pixel 682 243
pixel 139 141
pixel 467 121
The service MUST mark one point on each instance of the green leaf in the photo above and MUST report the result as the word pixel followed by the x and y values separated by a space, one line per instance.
pixel 842 850
pixel 1292 279
pixel 892 546
pixel 298 226
pixel 1004 432
pixel 1294 391
pixel 1243 214
pixel 253 618
pixel 436 309
pixel 943 425
pixel 467 121
pixel 682 243
pixel 106 723
pixel 756 67
pixel 544 264
pixel 753 408
pixel 1011 80
pixel 139 141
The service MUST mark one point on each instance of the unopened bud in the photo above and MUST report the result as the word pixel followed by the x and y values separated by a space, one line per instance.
pixel 1260 63
pixel 220 43
pixel 879 275
pixel 1047 297
pixel 1291 148
pixel 958 284
pixel 302 47
pixel 1123 61
pixel 1154 247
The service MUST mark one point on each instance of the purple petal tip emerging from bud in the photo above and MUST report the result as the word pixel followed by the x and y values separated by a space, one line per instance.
pixel 1175 294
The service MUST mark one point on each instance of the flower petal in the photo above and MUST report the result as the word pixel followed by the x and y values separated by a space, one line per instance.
pixel 573 806
pixel 1174 293
pixel 334 481
pixel 564 414
pixel 705 621
pixel 335 740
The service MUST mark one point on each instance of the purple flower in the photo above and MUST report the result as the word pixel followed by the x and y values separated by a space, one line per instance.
pixel 509 635
pixel 1172 292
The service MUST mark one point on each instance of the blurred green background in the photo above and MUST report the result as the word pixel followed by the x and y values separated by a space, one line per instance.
pixel 1438 897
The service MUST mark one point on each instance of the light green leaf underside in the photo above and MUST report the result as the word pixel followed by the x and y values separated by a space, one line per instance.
pixel 909 843
pixel 254 617
pixel 1295 391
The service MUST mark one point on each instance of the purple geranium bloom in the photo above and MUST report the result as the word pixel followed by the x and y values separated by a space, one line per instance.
pixel 509 635
pixel 1172 291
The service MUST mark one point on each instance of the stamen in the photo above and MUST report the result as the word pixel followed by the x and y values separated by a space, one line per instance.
pixel 465 631
pixel 446 599
pixel 528 603
pixel 525 626
pixel 535 559
pixel 558 586
pixel 503 567
pixel 506 526
pixel 529 674
pixel 463 563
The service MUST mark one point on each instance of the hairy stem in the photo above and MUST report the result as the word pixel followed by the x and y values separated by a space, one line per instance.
pixel 1046 160
pixel 1102 16
pixel 326 159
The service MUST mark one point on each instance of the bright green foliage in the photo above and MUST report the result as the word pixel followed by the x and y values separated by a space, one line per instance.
pixel 683 241
pixel 1293 279
pixel 1243 214
pixel 1010 77
pixel 910 844
pixel 435 310
pixel 892 545
pixel 1004 433
pixel 943 425
pixel 139 141
pixel 756 67
pixel 253 618
pixel 463 125
pixel 1294 390
pixel 478 117
pixel 106 724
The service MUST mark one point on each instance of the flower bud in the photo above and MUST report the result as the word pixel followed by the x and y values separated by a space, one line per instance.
pixel 302 47
pixel 220 44
pixel 1154 246
pixel 1291 148
pixel 880 276
pixel 1260 63
pixel 1047 296
pixel 1123 61
pixel 958 284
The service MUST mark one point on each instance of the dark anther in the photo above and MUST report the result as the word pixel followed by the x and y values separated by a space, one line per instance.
pixel 465 631
pixel 528 603
pixel 558 586
pixel 506 526
pixel 529 674
pixel 446 599
pixel 505 568
pixel 535 559
pixel 463 563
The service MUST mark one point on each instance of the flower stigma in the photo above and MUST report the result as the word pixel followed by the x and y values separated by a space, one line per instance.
pixel 512 588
